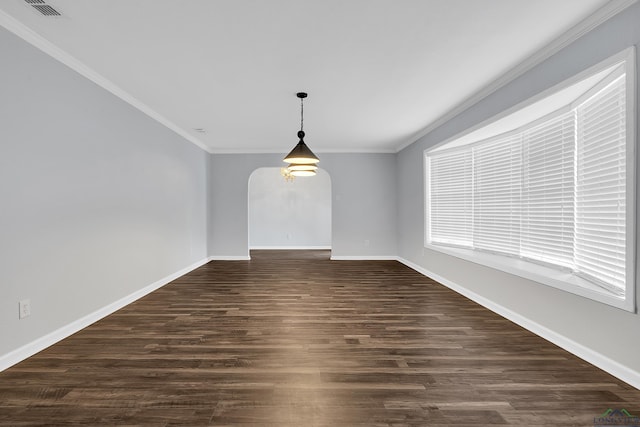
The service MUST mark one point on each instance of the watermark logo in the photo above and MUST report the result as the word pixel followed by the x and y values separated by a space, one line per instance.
pixel 616 417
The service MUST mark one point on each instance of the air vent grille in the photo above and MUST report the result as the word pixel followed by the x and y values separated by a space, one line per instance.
pixel 43 8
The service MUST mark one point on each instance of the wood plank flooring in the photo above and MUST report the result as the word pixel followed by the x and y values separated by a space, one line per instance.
pixel 291 338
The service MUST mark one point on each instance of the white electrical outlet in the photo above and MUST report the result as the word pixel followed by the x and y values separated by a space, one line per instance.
pixel 366 242
pixel 25 308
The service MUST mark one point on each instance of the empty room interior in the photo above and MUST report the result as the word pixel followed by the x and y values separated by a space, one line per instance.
pixel 319 213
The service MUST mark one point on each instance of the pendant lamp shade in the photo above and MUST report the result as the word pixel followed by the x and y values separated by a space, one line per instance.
pixel 301 154
pixel 299 169
pixel 302 167
pixel 303 173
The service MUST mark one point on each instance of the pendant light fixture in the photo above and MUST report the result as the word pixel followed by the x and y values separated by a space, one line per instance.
pixel 302 161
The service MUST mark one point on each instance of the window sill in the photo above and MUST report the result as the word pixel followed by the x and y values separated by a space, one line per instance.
pixel 538 273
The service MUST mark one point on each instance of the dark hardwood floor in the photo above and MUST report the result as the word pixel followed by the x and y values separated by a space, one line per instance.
pixel 293 339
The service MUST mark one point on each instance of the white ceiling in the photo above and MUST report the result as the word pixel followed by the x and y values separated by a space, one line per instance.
pixel 378 72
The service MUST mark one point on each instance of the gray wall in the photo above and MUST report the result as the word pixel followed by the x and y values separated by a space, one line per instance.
pixel 98 200
pixel 289 214
pixel 363 206
pixel 611 332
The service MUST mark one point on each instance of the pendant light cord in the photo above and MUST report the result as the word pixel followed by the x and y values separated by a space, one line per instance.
pixel 301 113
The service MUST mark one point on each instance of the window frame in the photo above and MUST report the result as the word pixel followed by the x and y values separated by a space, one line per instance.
pixel 539 272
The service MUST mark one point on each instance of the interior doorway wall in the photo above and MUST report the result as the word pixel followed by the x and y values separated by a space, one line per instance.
pixel 289 214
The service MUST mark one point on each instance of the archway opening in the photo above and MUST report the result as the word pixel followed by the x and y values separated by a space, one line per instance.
pixel 289 214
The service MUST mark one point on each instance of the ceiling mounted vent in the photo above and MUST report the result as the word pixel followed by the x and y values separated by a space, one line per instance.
pixel 43 8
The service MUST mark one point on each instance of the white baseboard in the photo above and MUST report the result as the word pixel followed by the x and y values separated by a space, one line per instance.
pixel 279 248
pixel 616 369
pixel 364 258
pixel 28 350
pixel 229 258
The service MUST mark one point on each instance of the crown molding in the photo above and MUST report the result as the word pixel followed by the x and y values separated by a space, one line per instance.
pixel 606 12
pixel 35 39
pixel 320 151
pixel 609 10
pixel 356 151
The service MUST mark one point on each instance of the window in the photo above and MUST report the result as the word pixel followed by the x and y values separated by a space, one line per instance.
pixel 552 198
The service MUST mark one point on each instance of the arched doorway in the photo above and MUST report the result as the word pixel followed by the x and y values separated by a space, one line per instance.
pixel 289 214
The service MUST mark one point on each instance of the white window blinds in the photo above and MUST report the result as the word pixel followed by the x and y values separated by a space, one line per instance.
pixel 451 199
pixel 552 191
pixel 548 191
pixel 496 197
pixel 600 187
